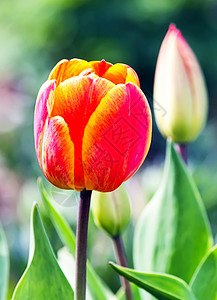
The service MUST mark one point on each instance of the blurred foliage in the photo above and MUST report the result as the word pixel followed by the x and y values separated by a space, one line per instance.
pixel 34 36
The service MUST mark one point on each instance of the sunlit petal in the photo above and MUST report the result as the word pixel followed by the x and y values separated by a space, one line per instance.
pixel 68 68
pixel 41 113
pixel 116 138
pixel 58 154
pixel 75 101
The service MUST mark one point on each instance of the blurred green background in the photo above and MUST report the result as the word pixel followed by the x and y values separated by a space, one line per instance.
pixel 34 36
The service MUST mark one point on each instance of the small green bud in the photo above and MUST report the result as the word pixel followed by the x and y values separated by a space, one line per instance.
pixel 111 211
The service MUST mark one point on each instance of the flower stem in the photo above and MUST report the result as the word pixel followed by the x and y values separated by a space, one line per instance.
pixel 81 245
pixel 182 150
pixel 121 259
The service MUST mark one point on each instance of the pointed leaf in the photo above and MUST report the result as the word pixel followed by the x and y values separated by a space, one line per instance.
pixel 162 286
pixel 173 233
pixel 67 264
pixel 4 265
pixel 96 287
pixel 121 294
pixel 204 281
pixel 63 229
pixel 43 278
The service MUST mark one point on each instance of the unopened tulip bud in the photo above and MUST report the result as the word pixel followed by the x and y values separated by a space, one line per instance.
pixel 111 211
pixel 180 95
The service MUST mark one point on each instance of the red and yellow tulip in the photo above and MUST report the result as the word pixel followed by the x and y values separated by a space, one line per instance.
pixel 92 125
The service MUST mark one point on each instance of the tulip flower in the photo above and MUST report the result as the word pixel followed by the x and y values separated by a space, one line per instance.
pixel 92 125
pixel 180 95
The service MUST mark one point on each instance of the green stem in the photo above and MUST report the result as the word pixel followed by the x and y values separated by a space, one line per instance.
pixel 182 149
pixel 121 259
pixel 81 245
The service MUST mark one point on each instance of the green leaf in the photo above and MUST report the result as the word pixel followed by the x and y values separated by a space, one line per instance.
pixel 96 287
pixel 173 233
pixel 4 265
pixel 43 278
pixel 136 295
pixel 63 229
pixel 204 281
pixel 67 264
pixel 162 286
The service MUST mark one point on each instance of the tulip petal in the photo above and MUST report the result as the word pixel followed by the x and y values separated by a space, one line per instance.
pixel 41 114
pixel 117 73
pixel 100 67
pixel 142 114
pixel 132 77
pixel 58 154
pixel 197 83
pixel 66 69
pixel 116 138
pixel 75 101
pixel 121 73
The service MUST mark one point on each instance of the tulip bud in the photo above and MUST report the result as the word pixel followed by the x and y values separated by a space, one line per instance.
pixel 180 95
pixel 111 211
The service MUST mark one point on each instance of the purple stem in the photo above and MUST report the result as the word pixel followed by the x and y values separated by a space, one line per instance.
pixel 122 261
pixel 81 245
pixel 182 150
